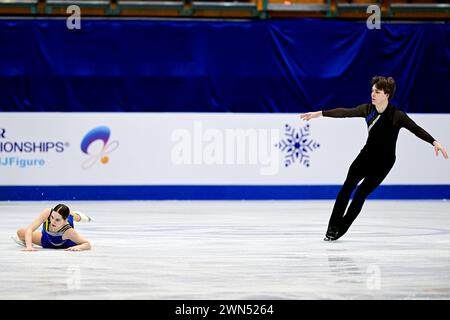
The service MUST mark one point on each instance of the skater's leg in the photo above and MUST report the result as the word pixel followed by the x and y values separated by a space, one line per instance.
pixel 354 176
pixel 76 217
pixel 366 187
pixel 35 238
pixel 343 199
pixel 79 216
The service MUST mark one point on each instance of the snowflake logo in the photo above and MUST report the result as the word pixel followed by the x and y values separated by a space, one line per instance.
pixel 297 145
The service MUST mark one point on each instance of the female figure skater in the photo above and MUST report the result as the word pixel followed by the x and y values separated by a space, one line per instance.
pixel 57 230
pixel 377 157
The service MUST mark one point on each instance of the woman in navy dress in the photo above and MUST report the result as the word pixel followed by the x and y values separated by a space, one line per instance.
pixel 57 230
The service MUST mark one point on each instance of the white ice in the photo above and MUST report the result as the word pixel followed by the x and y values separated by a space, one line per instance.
pixel 233 250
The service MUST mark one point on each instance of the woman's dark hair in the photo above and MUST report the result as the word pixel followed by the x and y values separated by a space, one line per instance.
pixel 385 84
pixel 63 210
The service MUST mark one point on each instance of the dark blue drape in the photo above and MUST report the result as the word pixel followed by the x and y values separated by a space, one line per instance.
pixel 216 66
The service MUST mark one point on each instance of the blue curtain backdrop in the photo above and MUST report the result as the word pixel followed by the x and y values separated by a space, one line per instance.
pixel 216 66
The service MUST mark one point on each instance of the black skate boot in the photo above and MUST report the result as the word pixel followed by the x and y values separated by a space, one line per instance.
pixel 332 234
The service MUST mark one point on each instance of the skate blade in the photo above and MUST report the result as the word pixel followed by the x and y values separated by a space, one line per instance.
pixel 18 241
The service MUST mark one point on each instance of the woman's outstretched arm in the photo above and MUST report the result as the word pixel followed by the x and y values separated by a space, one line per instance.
pixel 32 227
pixel 82 244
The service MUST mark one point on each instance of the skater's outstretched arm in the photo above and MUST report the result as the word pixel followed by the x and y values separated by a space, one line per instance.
pixel 408 123
pixel 32 227
pixel 82 244
pixel 438 147
pixel 311 115
pixel 359 111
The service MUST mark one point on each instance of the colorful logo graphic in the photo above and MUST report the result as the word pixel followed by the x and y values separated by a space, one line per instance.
pixel 100 138
pixel 297 145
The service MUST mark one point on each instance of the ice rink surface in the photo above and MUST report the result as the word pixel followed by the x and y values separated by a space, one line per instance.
pixel 189 250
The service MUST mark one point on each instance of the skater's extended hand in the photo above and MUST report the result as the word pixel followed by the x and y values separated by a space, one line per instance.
pixel 75 248
pixel 438 147
pixel 310 115
pixel 30 249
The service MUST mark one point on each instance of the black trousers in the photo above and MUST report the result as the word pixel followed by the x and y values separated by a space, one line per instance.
pixel 372 172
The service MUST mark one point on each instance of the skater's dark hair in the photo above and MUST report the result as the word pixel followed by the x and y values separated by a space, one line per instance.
pixel 63 210
pixel 385 84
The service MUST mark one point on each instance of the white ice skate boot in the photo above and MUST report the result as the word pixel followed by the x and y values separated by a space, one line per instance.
pixel 83 217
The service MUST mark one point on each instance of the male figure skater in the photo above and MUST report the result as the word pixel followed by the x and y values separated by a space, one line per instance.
pixel 376 159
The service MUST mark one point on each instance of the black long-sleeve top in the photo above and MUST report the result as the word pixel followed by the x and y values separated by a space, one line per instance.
pixel 383 127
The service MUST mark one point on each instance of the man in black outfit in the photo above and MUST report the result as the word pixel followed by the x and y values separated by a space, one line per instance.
pixel 377 158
